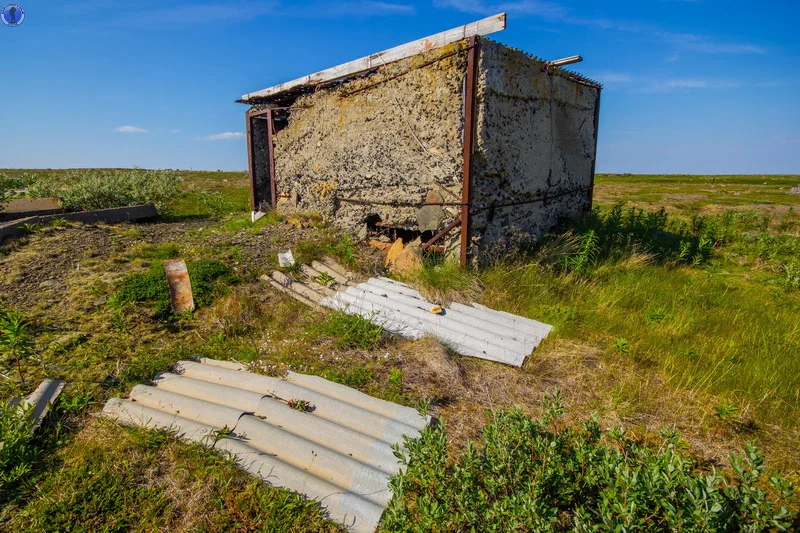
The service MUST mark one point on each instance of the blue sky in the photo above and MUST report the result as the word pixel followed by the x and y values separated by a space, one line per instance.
pixel 690 86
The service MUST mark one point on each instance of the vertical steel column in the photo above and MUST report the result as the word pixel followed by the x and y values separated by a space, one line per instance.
pixel 265 114
pixel 250 162
pixel 273 188
pixel 469 138
pixel 594 160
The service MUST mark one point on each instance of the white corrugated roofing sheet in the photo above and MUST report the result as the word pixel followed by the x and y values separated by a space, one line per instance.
pixel 475 331
pixel 340 453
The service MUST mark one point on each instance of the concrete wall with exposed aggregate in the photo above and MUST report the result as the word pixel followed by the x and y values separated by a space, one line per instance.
pixel 535 136
pixel 389 139
pixel 393 139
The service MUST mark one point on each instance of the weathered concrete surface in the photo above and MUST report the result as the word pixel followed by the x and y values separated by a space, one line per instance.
pixel 535 136
pixel 389 138
pixel 16 228
pixel 27 207
pixel 394 141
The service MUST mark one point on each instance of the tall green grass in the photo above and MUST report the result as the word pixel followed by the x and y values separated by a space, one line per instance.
pixel 713 303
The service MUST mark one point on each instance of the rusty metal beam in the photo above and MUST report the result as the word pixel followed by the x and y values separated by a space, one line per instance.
pixel 273 188
pixel 594 160
pixel 442 233
pixel 251 163
pixel 469 138
pixel 265 114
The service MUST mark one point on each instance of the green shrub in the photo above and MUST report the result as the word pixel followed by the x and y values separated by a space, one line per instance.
pixel 343 250
pixel 617 233
pixel 10 184
pixel 101 189
pixel 18 451
pixel 16 344
pixel 526 475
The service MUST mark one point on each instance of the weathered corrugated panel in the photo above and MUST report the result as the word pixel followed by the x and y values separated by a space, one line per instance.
pixel 475 331
pixel 339 453
pixel 40 400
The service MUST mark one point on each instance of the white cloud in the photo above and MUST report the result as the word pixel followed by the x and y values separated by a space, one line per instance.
pixel 701 43
pixel 687 84
pixel 608 77
pixel 174 131
pixel 528 7
pixel 364 7
pixel 673 58
pixel 130 129
pixel 557 12
pixel 223 136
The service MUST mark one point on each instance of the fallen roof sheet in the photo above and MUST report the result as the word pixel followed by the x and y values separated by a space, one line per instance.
pixel 484 26
pixel 40 400
pixel 475 331
pixel 340 453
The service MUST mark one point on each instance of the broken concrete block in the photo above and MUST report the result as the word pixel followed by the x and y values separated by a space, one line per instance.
pixel 382 246
pixel 408 259
pixel 429 217
pixel 393 251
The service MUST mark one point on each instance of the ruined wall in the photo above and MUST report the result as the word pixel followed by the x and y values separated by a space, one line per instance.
pixel 389 139
pixel 535 136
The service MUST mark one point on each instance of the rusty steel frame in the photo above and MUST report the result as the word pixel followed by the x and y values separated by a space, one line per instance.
pixel 594 160
pixel 469 138
pixel 442 233
pixel 249 116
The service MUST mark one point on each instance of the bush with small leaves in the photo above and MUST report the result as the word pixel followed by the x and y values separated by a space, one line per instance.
pixel 101 189
pixel 538 475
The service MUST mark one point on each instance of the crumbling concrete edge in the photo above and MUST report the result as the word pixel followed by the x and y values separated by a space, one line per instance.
pixel 16 228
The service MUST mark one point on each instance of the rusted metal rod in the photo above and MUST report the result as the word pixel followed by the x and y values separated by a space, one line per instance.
pixel 442 233
pixel 469 137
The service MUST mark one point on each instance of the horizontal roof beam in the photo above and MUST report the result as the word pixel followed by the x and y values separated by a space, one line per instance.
pixel 481 27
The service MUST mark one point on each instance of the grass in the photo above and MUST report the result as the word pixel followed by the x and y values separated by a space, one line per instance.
pixel 207 278
pixel 646 336
pixel 350 331
pixel 119 479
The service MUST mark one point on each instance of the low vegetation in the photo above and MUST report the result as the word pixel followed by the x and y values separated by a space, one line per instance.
pixel 685 317
pixel 709 300
pixel 350 331
pixel 11 186
pixel 538 475
pixel 207 277
pixel 101 189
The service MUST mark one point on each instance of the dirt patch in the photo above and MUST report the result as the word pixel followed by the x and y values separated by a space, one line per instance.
pixel 794 190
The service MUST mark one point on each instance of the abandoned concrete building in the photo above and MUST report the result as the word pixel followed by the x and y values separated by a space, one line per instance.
pixel 475 147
